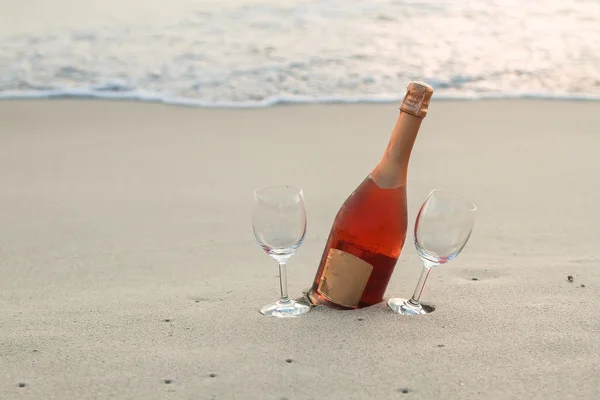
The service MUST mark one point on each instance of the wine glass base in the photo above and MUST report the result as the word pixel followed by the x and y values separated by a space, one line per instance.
pixel 286 309
pixel 405 307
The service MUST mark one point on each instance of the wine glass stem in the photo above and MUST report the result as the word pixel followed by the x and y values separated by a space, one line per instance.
pixel 420 285
pixel 283 283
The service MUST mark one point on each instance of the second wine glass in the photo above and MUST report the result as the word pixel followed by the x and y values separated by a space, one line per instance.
pixel 279 225
pixel 442 228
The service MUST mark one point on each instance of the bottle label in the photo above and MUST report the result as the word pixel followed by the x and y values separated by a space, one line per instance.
pixel 344 278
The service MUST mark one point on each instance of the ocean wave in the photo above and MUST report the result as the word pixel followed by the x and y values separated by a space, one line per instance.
pixel 142 96
pixel 251 53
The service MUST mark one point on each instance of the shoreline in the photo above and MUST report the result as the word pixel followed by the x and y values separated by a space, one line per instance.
pixel 191 103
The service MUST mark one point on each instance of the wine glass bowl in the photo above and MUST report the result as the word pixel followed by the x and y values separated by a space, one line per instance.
pixel 279 226
pixel 442 229
pixel 443 226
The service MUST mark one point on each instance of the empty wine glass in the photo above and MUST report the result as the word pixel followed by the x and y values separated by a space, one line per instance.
pixel 279 224
pixel 442 229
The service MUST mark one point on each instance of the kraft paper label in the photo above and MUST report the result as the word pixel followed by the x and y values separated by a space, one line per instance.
pixel 344 278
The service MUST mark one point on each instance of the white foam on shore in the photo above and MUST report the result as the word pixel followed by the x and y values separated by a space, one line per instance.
pixel 250 53
pixel 274 100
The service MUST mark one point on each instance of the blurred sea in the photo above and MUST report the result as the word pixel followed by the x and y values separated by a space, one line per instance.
pixel 240 53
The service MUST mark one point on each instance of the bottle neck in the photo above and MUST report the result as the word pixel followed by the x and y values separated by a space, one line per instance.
pixel 391 171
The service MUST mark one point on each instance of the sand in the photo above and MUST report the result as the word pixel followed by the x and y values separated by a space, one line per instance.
pixel 129 269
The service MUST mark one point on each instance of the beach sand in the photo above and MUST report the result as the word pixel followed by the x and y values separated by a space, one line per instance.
pixel 127 256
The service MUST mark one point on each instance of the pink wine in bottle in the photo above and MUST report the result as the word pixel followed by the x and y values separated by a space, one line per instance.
pixel 369 230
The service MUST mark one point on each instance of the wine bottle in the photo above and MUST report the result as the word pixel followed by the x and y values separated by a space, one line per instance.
pixel 369 230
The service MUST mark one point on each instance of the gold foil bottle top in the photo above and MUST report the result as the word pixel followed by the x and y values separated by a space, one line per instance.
pixel 416 100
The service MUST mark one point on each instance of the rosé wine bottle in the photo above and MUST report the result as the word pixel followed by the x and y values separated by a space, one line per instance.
pixel 369 229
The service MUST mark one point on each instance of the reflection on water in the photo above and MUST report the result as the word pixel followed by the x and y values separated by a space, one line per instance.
pixel 259 52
